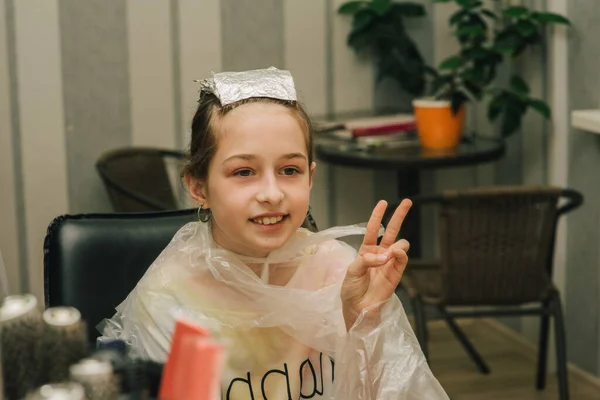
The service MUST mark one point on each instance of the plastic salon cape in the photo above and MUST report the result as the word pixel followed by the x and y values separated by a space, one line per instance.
pixel 280 319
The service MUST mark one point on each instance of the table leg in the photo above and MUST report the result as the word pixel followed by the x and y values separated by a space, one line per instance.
pixel 409 185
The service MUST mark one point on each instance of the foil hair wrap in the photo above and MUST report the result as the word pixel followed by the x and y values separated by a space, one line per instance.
pixel 285 338
pixel 230 87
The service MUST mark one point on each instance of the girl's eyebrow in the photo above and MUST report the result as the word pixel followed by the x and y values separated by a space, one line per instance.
pixel 251 157
pixel 245 157
pixel 293 155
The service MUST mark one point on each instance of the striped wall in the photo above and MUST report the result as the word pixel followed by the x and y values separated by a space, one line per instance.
pixel 37 133
pixel 583 155
pixel 151 90
pixel 10 235
pixel 96 80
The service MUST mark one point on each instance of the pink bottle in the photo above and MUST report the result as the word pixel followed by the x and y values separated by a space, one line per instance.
pixel 193 368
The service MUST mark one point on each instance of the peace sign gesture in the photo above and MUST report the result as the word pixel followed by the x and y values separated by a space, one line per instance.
pixel 373 277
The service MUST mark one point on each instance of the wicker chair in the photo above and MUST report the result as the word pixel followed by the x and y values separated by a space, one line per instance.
pixel 137 179
pixel 496 247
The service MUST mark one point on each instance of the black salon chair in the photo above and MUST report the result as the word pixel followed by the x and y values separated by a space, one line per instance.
pixel 92 261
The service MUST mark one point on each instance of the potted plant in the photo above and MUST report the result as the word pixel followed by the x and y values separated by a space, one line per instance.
pixel 378 28
pixel 486 40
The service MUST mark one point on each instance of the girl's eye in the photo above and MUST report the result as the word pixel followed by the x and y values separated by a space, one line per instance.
pixel 291 171
pixel 243 172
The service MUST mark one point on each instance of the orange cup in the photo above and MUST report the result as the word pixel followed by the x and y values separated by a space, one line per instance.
pixel 438 127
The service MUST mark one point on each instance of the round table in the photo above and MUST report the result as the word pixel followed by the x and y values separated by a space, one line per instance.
pixel 408 156
pixel 408 159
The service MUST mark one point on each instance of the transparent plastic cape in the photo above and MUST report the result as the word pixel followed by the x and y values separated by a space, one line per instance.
pixel 284 334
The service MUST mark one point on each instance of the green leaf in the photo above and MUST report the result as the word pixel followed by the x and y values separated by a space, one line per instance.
pixel 496 107
pixel 473 90
pixel 526 28
pixel 517 104
pixel 358 40
pixel 470 31
pixel 458 16
pixel 469 3
pixel 519 85
pixel 476 53
pixel 351 7
pixel 514 110
pixel 474 76
pixel 380 6
pixel 442 1
pixel 457 100
pixel 362 19
pixel 450 63
pixel 510 123
pixel 541 107
pixel 409 9
pixel 507 43
pixel 516 11
pixel 548 17
pixel 534 38
pixel 489 14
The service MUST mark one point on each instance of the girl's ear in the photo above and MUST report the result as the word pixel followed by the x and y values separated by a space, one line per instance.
pixel 312 173
pixel 197 189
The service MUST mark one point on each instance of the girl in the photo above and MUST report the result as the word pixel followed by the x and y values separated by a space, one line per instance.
pixel 302 314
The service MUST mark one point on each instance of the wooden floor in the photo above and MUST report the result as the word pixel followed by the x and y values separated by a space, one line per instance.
pixel 512 364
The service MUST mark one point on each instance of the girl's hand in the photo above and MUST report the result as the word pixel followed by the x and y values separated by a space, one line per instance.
pixel 373 277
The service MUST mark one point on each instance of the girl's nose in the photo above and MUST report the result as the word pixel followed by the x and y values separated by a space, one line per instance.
pixel 270 193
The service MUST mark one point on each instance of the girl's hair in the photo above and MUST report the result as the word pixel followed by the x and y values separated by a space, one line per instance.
pixel 203 143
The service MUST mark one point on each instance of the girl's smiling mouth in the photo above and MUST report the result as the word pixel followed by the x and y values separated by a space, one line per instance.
pixel 269 219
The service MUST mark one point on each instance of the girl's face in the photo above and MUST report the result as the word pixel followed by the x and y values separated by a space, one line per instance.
pixel 259 180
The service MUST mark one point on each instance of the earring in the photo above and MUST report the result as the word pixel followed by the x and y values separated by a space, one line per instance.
pixel 204 214
pixel 309 216
pixel 309 221
pixel 309 212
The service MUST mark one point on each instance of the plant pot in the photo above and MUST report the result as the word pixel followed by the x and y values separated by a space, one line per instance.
pixel 437 126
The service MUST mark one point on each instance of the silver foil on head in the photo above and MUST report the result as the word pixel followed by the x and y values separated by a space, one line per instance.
pixel 231 87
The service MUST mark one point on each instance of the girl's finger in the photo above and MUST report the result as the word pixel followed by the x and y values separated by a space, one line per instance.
pixel 399 251
pixel 374 224
pixel 399 255
pixel 393 227
pixel 401 244
pixel 393 271
pixel 366 261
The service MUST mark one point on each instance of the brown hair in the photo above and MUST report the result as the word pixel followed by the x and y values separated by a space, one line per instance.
pixel 203 143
